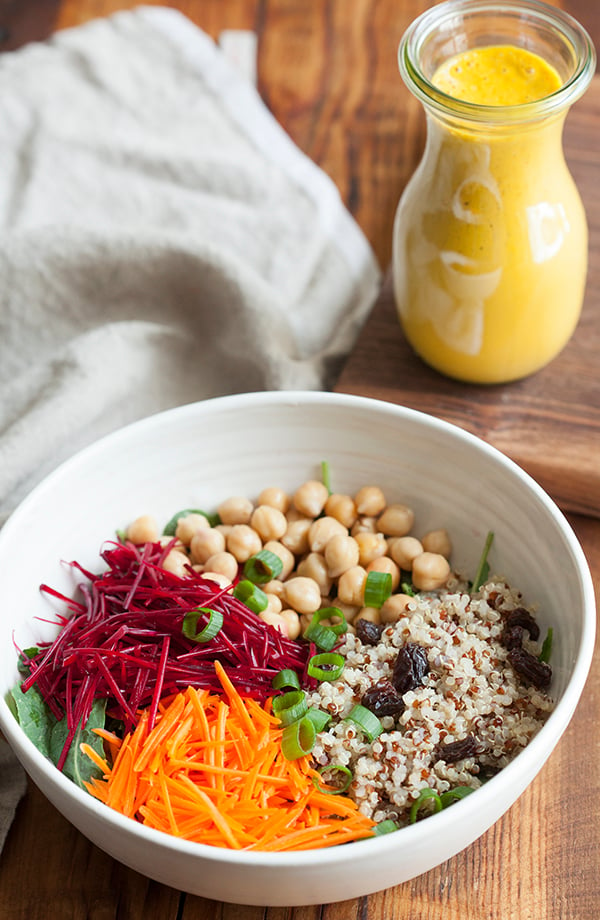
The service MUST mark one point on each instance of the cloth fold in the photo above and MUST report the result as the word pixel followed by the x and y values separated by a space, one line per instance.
pixel 162 240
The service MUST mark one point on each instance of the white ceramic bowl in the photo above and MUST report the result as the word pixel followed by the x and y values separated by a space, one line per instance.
pixel 199 454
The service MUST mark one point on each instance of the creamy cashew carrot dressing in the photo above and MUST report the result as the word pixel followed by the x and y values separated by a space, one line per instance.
pixel 385 686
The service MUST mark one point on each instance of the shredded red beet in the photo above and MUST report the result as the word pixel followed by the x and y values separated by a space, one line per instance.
pixel 124 641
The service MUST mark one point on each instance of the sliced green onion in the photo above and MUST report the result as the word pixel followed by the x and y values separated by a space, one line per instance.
pixel 263 566
pixel 337 768
pixel 546 646
pixel 211 629
pixel 407 587
pixel 171 526
pixel 424 795
pixel 326 475
pixel 286 678
pixel 378 588
pixel 298 738
pixel 386 827
pixel 251 595
pixel 325 637
pixel 366 720
pixel 319 718
pixel 483 570
pixel 453 795
pixel 290 706
pixel 121 535
pixel 326 666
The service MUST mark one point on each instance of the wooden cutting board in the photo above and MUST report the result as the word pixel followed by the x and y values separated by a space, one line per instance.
pixel 548 423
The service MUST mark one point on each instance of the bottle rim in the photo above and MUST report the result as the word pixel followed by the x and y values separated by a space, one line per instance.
pixel 428 23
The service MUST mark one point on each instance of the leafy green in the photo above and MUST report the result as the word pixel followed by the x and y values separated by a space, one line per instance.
pixel 547 646
pixel 483 570
pixel 78 766
pixel 50 734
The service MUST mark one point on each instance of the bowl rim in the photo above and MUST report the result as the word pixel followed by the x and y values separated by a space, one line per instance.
pixel 528 762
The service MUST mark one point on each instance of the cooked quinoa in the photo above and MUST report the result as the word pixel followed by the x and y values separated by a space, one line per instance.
pixel 471 694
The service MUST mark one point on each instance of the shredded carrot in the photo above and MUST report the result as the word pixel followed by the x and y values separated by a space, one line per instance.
pixel 212 770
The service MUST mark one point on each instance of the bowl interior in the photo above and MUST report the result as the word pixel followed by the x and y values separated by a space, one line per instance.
pixel 197 455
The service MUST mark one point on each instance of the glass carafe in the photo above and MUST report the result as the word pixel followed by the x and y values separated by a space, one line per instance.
pixel 490 235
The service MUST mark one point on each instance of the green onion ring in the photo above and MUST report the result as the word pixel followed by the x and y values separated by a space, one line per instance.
pixel 423 796
pixel 386 827
pixel 319 717
pixel 286 678
pixel 378 588
pixel 263 567
pixel 453 795
pixel 325 637
pixel 326 666
pixel 326 475
pixel 366 720
pixel 251 595
pixel 298 738
pixel 211 629
pixel 290 706
pixel 337 768
pixel 171 526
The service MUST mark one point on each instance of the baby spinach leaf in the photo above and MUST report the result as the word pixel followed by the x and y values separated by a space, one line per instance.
pixel 34 717
pixel 78 766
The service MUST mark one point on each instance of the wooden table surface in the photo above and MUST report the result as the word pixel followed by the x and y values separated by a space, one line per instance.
pixel 327 70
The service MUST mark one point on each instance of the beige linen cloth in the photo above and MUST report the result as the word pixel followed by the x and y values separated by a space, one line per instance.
pixel 162 241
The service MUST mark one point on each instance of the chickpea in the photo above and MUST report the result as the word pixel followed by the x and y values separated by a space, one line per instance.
pixel 274 604
pixel 143 530
pixel 370 546
pixel 350 611
pixel 351 586
pixel 286 556
pixel 296 536
pixel 314 566
pixel 404 550
pixel 387 565
pixel 310 498
pixel 274 619
pixel 341 553
pixel 372 614
pixel 276 587
pixel 430 571
pixel 396 521
pixel 219 579
pixel 342 508
pixel 437 541
pixel 275 498
pixel 222 564
pixel 292 621
pixel 302 594
pixel 394 608
pixel 369 501
pixel 205 543
pixel 235 510
pixel 189 525
pixel 269 523
pixel 223 528
pixel 322 530
pixel 177 563
pixel 243 542
pixel 364 525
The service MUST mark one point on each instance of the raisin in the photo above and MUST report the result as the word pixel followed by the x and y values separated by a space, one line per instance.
pixel 458 750
pixel 383 699
pixel 530 669
pixel 368 633
pixel 512 637
pixel 521 617
pixel 410 667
